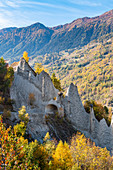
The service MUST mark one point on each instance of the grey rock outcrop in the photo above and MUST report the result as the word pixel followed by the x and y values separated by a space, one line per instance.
pixel 75 110
pixel 47 100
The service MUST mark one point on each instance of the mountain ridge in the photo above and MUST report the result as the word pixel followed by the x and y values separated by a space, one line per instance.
pixel 39 39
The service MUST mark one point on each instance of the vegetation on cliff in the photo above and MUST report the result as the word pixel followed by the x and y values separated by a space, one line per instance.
pixel 99 111
pixel 39 68
pixel 6 78
pixel 25 56
pixel 81 153
pixel 56 82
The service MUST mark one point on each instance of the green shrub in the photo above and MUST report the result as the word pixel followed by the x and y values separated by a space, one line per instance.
pixel 6 114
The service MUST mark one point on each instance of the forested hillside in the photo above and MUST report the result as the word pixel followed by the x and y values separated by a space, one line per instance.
pixel 90 68
pixel 79 52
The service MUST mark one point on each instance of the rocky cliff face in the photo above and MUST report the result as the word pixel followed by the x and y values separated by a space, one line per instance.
pixel 49 104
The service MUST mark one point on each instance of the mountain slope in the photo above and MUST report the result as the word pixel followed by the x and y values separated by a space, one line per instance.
pixel 29 39
pixel 38 39
pixel 80 32
pixel 90 67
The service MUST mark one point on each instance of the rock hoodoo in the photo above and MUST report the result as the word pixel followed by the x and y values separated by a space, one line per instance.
pixel 48 100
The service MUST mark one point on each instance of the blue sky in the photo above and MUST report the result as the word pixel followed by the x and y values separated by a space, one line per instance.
pixel 20 13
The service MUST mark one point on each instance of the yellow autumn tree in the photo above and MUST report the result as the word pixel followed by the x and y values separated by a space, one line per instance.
pixel 25 56
pixel 49 145
pixel 88 156
pixel 47 136
pixel 62 158
pixel 17 153
pixel 56 82
pixel 23 115
pixel 39 68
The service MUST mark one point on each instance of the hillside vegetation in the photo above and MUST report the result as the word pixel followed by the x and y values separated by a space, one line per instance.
pixel 90 68
pixel 17 153
pixel 80 52
pixel 6 78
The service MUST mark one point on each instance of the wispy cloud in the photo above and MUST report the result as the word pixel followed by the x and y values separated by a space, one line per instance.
pixel 25 12
pixel 34 3
pixel 11 3
pixel 2 4
pixel 5 13
pixel 4 21
pixel 86 3
pixel 19 3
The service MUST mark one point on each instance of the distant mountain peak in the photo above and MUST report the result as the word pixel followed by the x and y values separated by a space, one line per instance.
pixel 38 24
pixel 39 39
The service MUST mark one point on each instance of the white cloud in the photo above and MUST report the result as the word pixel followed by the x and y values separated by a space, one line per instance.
pixel 86 3
pixel 35 4
pixel 4 21
pixel 2 4
pixel 25 12
pixel 6 13
pixel 11 3
pixel 15 3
